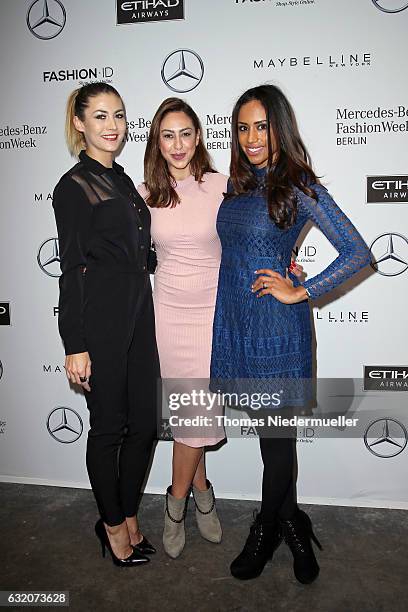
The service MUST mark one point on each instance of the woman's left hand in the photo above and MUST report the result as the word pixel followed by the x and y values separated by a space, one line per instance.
pixel 281 287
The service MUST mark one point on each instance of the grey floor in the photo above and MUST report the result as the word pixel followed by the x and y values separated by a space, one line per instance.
pixel 48 543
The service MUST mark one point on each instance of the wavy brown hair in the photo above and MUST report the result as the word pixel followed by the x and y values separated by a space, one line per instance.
pixel 157 178
pixel 292 166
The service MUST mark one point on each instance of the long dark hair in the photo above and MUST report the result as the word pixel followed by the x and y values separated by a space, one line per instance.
pixel 158 180
pixel 292 166
pixel 78 101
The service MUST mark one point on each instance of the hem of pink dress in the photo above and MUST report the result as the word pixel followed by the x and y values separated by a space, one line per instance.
pixel 199 442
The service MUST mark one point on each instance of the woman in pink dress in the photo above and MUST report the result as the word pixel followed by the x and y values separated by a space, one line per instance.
pixel 184 193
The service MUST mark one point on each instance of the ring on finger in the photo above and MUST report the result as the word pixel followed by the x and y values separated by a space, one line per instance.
pixel 83 379
pixel 264 285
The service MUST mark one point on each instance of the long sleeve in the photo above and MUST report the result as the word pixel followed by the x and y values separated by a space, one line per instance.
pixel 338 229
pixel 73 215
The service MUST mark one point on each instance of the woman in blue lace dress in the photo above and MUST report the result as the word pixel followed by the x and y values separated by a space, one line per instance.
pixel 262 329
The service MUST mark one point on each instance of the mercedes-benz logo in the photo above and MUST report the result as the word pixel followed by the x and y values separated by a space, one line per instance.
pixel 390 254
pixel 1 370
pixel 42 22
pixel 182 70
pixel 386 437
pixel 64 425
pixel 48 257
pixel 390 6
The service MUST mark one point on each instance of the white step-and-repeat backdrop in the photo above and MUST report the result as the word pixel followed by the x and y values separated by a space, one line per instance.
pixel 343 66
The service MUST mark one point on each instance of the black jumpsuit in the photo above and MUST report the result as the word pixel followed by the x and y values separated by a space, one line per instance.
pixel 106 308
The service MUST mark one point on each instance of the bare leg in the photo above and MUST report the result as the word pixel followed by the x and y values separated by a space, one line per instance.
pixel 119 540
pixel 185 462
pixel 200 477
pixel 135 534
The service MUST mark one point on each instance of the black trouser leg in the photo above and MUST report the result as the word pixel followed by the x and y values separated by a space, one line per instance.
pixel 143 373
pixel 122 401
pixel 279 480
pixel 107 406
pixel 278 452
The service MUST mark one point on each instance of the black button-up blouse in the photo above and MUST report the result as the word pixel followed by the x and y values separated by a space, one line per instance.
pixel 101 221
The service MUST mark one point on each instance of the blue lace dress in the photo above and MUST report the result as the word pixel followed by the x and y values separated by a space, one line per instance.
pixel 255 339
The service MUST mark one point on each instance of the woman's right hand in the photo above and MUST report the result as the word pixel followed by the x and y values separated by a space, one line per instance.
pixel 78 366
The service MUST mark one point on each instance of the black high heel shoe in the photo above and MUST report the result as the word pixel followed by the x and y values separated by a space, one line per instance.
pixel 136 558
pixel 298 534
pixel 264 538
pixel 144 547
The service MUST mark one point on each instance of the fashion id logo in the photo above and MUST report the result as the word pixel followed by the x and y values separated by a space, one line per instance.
pixel 82 75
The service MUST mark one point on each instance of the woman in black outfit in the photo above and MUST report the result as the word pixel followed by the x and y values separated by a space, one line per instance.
pixel 106 317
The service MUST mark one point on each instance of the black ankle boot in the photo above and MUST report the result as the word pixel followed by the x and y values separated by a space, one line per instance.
pixel 264 538
pixel 297 533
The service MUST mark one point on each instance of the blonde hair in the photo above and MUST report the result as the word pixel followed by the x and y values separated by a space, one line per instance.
pixel 75 140
pixel 77 103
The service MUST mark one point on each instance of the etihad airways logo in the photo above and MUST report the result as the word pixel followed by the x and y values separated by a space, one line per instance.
pixel 387 189
pixel 385 378
pixel 143 11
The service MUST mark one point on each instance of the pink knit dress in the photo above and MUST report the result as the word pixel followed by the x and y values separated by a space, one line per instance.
pixel 185 287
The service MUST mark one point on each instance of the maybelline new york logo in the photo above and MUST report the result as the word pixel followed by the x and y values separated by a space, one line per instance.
pixel 46 18
pixel 182 70
pixel 390 254
pixel 342 316
pixel 386 437
pixel 64 425
pixel 391 6
pixel 48 257
pixel 387 189
pixel 335 60
pixel 142 11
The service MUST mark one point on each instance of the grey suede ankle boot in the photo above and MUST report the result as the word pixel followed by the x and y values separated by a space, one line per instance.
pixel 174 537
pixel 206 514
